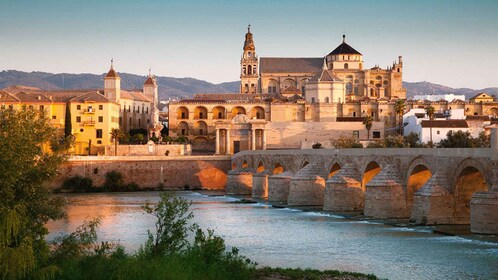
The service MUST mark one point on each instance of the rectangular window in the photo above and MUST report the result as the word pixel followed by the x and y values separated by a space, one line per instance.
pixel 101 119
pixel 438 132
pixel 99 133
pixel 147 110
pixel 54 117
pixel 129 108
pixel 376 134
pixel 90 109
pixel 78 119
pixel 120 120
pixel 143 109
pixel 133 109
pixel 78 107
pixel 42 108
pixel 101 107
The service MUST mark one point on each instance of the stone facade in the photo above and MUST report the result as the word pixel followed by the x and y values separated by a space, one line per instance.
pixel 197 172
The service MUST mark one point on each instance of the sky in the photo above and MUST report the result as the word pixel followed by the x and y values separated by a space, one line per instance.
pixel 453 43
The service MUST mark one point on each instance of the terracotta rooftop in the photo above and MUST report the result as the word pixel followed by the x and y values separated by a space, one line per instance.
pixel 446 123
pixel 325 76
pixel 290 65
pixel 150 81
pixel 94 96
pixel 291 90
pixel 7 97
pixel 477 118
pixel 32 97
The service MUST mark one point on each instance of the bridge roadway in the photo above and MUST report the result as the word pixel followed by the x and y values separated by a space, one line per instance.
pixel 427 185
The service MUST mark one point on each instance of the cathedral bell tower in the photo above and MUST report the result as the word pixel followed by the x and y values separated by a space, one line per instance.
pixel 249 66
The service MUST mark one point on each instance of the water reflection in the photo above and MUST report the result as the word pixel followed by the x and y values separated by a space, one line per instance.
pixel 292 238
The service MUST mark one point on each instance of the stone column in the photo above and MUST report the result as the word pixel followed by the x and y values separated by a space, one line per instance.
pixel 217 141
pixel 253 138
pixel 494 144
pixel 228 140
pixel 264 139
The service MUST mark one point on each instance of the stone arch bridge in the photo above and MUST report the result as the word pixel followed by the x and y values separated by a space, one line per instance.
pixel 429 186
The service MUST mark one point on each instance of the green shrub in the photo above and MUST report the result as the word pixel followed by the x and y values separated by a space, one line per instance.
pixel 317 145
pixel 113 181
pixel 78 184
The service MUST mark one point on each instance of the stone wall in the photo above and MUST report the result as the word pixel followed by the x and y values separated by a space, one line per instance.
pixel 203 172
pixel 150 149
pixel 291 135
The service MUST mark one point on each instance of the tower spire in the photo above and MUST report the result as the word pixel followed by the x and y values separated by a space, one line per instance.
pixel 112 63
pixel 150 69
pixel 249 28
pixel 324 67
pixel 344 38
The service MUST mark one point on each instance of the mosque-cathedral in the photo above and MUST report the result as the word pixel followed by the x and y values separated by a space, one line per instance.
pixel 285 102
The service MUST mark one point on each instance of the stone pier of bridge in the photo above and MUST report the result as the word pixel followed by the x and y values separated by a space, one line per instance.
pixel 425 185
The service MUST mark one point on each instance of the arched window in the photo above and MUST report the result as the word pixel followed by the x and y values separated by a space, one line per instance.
pixel 349 88
pixel 346 66
pixel 254 69
pixel 327 100
pixel 244 70
pixel 312 100
pixel 249 70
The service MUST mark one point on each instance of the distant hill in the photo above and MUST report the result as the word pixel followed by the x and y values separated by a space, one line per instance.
pixel 170 87
pixel 430 88
pixel 167 86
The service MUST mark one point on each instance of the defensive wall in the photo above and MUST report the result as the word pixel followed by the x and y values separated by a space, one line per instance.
pixel 173 172
pixel 426 185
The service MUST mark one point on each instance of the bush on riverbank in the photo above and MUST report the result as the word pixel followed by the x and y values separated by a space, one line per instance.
pixel 113 183
pixel 167 254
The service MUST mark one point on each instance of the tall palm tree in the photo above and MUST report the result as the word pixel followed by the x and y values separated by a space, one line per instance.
pixel 429 110
pixel 368 122
pixel 116 133
pixel 399 108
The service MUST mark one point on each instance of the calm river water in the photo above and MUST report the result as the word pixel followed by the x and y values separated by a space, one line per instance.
pixel 293 238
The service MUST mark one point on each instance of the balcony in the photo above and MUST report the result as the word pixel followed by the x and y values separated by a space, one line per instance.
pixel 88 123
pixel 89 111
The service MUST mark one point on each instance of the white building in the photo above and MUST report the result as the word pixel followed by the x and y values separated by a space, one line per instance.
pixel 416 121
pixel 437 97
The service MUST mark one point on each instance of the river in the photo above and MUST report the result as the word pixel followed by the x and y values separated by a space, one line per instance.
pixel 293 238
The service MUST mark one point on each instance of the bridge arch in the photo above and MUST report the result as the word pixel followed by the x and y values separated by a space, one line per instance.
pixel 370 170
pixel 470 177
pixel 261 167
pixel 334 168
pixel 278 168
pixel 419 172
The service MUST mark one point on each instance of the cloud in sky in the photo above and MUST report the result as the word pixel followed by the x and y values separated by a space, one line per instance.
pixel 449 42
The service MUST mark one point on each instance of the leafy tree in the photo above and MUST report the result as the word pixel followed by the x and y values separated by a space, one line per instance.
pixel 412 140
pixel 368 122
pixel 482 141
pixel 394 141
pixel 67 122
pixel 138 138
pixel 26 163
pixel 345 143
pixel 461 139
pixel 116 134
pixel 430 111
pixel 172 214
pixel 400 108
